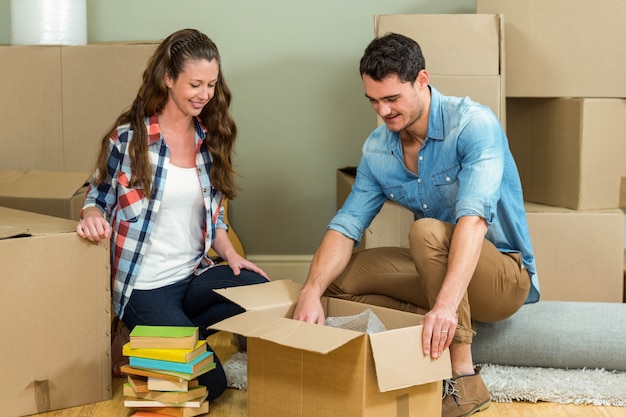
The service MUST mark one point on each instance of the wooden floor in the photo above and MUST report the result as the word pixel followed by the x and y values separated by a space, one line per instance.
pixel 233 402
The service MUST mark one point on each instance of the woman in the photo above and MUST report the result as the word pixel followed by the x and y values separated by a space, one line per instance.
pixel 162 174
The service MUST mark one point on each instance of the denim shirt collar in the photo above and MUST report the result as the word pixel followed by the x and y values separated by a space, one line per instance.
pixel 435 118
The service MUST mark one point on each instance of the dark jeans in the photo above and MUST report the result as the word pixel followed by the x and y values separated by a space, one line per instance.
pixel 191 302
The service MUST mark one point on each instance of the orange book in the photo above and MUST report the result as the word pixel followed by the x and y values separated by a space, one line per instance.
pixel 178 411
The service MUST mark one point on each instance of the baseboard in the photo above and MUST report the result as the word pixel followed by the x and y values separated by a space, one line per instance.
pixel 293 267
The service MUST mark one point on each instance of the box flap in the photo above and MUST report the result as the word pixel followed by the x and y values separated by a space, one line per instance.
pixel 287 332
pixel 14 221
pixel 7 232
pixel 41 184
pixel 279 296
pixel 400 361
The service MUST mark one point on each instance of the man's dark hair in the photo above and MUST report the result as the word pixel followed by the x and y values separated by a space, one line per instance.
pixel 390 54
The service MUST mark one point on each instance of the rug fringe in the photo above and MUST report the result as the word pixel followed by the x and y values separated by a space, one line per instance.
pixel 564 386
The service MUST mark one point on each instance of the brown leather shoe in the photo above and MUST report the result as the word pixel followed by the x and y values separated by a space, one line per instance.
pixel 464 395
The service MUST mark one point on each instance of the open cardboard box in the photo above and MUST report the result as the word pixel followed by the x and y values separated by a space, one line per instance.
pixel 305 369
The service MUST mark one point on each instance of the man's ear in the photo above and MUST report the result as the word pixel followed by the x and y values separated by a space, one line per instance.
pixel 422 79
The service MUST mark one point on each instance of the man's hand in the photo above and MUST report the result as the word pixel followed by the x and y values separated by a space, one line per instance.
pixel 439 327
pixel 309 309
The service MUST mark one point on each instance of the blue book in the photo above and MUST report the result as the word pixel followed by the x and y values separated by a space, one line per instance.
pixel 194 366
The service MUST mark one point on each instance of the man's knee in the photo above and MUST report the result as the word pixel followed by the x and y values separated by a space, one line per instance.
pixel 430 232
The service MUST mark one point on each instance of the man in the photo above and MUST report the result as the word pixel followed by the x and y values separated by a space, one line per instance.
pixel 470 258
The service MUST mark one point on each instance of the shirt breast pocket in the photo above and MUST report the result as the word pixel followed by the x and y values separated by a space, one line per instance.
pixel 446 186
pixel 394 193
pixel 129 200
pixel 448 176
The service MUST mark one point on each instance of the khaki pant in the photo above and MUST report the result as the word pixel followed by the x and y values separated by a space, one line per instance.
pixel 408 279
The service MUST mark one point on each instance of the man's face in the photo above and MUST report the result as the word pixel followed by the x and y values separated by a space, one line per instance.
pixel 396 102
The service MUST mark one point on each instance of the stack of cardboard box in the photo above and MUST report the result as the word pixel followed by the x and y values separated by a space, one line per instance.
pixel 57 102
pixel 563 114
pixel 565 110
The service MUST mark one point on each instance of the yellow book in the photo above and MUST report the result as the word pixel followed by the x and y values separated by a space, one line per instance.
pixel 172 355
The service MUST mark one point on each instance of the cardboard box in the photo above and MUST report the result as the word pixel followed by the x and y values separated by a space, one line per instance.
pixel 30 99
pixel 109 72
pixel 570 152
pixel 55 344
pixel 563 48
pixel 464 53
pixel 579 254
pixel 305 369
pixel 59 194
pixel 55 86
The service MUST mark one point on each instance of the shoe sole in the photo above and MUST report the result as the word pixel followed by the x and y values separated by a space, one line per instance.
pixel 481 407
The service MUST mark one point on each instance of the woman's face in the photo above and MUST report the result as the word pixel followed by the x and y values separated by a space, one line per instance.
pixel 194 87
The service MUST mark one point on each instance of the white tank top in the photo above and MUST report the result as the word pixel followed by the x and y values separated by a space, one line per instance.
pixel 176 240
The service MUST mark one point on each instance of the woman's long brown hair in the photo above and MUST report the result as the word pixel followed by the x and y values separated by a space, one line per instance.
pixel 170 57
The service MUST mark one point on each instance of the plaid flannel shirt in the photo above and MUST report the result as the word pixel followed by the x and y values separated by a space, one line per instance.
pixel 132 216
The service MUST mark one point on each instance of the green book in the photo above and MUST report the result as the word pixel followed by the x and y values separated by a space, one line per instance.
pixel 164 337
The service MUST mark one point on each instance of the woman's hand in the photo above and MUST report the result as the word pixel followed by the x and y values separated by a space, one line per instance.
pixel 237 262
pixel 93 226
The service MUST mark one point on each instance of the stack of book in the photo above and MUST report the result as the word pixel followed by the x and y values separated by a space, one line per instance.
pixel 164 364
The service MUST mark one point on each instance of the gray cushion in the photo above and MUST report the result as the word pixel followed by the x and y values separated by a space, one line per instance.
pixel 556 334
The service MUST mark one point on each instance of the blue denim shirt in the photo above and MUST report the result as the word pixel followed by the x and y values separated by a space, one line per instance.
pixel 465 169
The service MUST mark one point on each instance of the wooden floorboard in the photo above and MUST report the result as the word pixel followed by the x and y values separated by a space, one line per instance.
pixel 233 403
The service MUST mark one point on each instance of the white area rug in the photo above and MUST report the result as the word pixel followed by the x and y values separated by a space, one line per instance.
pixel 514 383
pixel 564 386
pixel 236 370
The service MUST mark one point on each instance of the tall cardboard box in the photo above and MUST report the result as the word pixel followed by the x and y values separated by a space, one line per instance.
pixel 579 253
pixel 55 327
pixel 59 194
pixel 563 48
pixel 304 369
pixel 570 152
pixel 464 53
